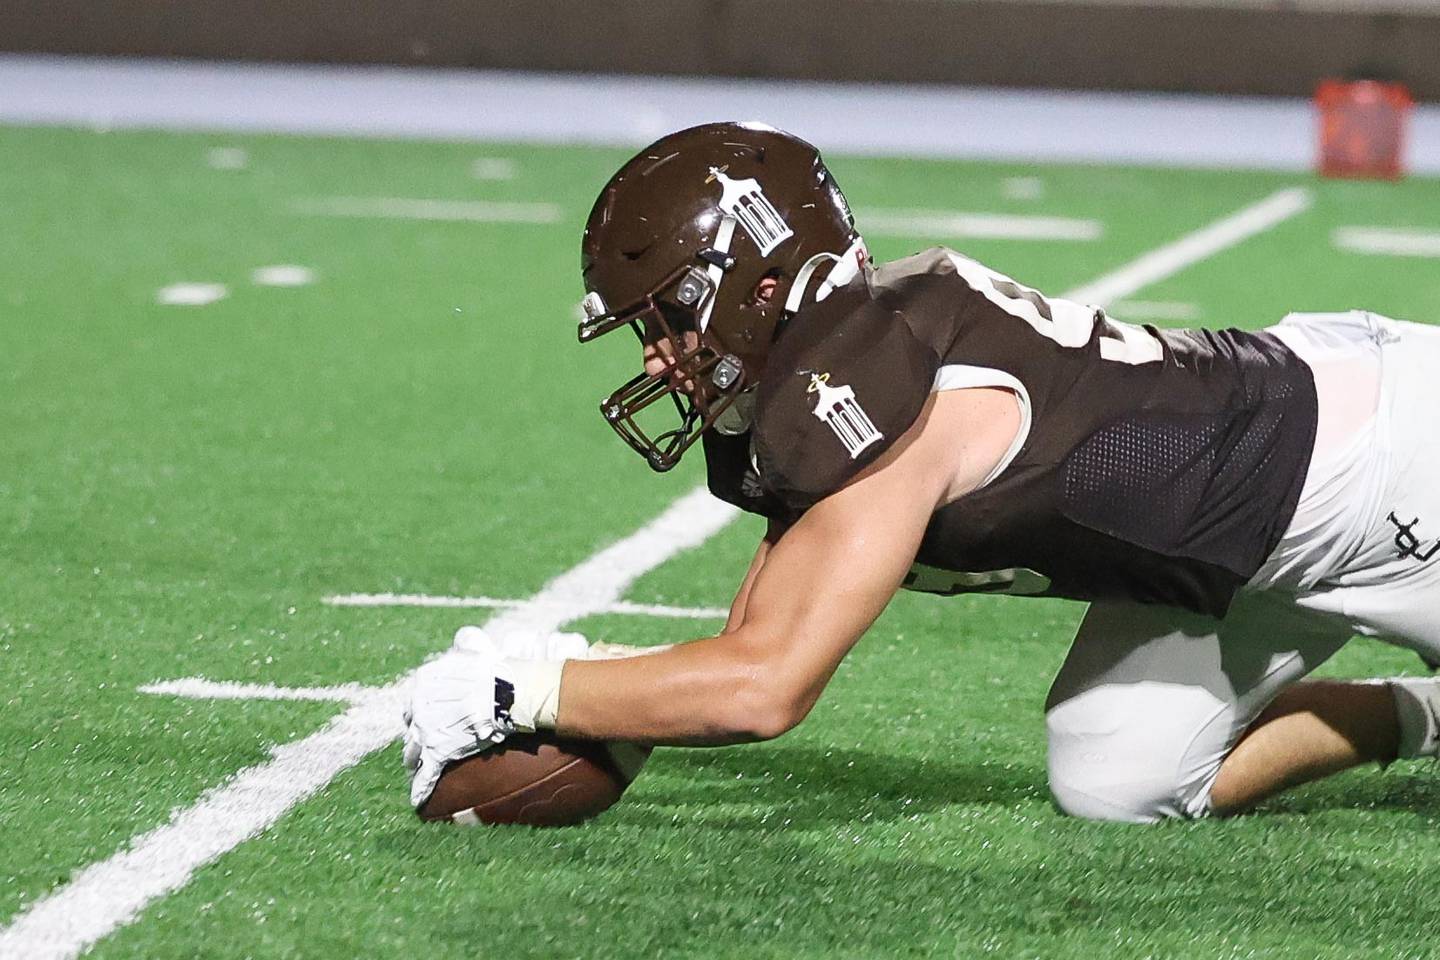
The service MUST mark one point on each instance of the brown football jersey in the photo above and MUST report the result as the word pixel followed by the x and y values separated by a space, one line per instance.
pixel 1151 466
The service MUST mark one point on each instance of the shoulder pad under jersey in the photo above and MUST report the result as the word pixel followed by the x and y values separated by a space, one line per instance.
pixel 846 379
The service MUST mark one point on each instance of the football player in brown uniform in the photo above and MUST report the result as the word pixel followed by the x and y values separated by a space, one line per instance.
pixel 1234 506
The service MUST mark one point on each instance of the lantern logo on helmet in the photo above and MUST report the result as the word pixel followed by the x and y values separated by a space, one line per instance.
pixel 757 216
pixel 842 413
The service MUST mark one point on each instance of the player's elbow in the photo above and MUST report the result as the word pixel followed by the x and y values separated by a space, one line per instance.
pixel 761 716
pixel 765 705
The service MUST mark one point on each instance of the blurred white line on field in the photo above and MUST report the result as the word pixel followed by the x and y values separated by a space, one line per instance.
pixel 419 208
pixel 227 158
pixel 428 600
pixel 1022 188
pixel 190 294
pixel 975 226
pixel 1202 244
pixel 1388 241
pixel 202 689
pixel 494 168
pixel 1143 310
pixel 283 275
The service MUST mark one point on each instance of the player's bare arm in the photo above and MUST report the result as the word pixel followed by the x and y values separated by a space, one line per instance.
pixel 741 602
pixel 817 591
pixel 815 594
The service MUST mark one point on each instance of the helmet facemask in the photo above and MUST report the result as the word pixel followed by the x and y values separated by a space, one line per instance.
pixel 701 380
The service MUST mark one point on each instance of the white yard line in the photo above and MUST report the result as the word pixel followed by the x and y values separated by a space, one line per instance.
pixel 431 600
pixel 420 208
pixel 191 294
pixel 1204 243
pixel 1388 241
pixel 203 689
pixel 283 275
pixel 107 895
pixel 973 226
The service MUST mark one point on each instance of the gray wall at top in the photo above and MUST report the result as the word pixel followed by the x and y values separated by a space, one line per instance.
pixel 1225 46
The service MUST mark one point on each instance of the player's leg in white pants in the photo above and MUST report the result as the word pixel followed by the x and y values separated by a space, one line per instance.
pixel 1151 700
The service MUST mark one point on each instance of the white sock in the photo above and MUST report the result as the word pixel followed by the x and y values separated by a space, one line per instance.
pixel 1417 706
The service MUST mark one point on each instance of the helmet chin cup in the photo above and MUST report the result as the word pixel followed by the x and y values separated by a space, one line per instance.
pixel 739 415
pixel 690 382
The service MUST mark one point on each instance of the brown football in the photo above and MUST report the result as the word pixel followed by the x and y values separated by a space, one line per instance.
pixel 536 779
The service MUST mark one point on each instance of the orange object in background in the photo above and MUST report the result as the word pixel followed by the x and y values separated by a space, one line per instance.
pixel 1362 128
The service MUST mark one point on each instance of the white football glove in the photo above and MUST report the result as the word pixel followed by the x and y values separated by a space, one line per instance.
pixel 459 706
pixel 517 646
pixel 550 646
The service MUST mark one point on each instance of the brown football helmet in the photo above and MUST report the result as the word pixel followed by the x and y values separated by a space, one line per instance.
pixel 677 248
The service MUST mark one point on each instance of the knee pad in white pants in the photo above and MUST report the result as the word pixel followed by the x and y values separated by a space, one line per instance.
pixel 1104 765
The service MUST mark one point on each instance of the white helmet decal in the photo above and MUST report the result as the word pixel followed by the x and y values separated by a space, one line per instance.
pixel 744 201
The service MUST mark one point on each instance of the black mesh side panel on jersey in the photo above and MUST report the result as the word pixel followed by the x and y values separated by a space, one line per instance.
pixel 1183 486
pixel 1142 480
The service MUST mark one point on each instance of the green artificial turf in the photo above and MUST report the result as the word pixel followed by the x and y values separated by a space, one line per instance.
pixel 180 486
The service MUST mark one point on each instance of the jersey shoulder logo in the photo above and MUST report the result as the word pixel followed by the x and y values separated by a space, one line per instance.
pixel 842 413
pixel 747 204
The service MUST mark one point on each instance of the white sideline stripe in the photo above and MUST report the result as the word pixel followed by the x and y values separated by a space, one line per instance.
pixel 111 893
pixel 974 226
pixel 429 600
pixel 420 208
pixel 1388 241
pixel 1192 248
pixel 200 688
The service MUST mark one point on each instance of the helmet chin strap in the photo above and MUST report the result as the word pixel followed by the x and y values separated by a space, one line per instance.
pixel 847 265
pixel 738 417
pixel 715 272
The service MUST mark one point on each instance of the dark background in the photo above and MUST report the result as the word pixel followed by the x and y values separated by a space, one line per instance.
pixel 1245 46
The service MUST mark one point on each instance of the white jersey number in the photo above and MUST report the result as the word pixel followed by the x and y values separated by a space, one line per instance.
pixel 1068 323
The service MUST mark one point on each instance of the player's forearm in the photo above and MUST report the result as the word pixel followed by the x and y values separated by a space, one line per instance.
pixel 707 692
